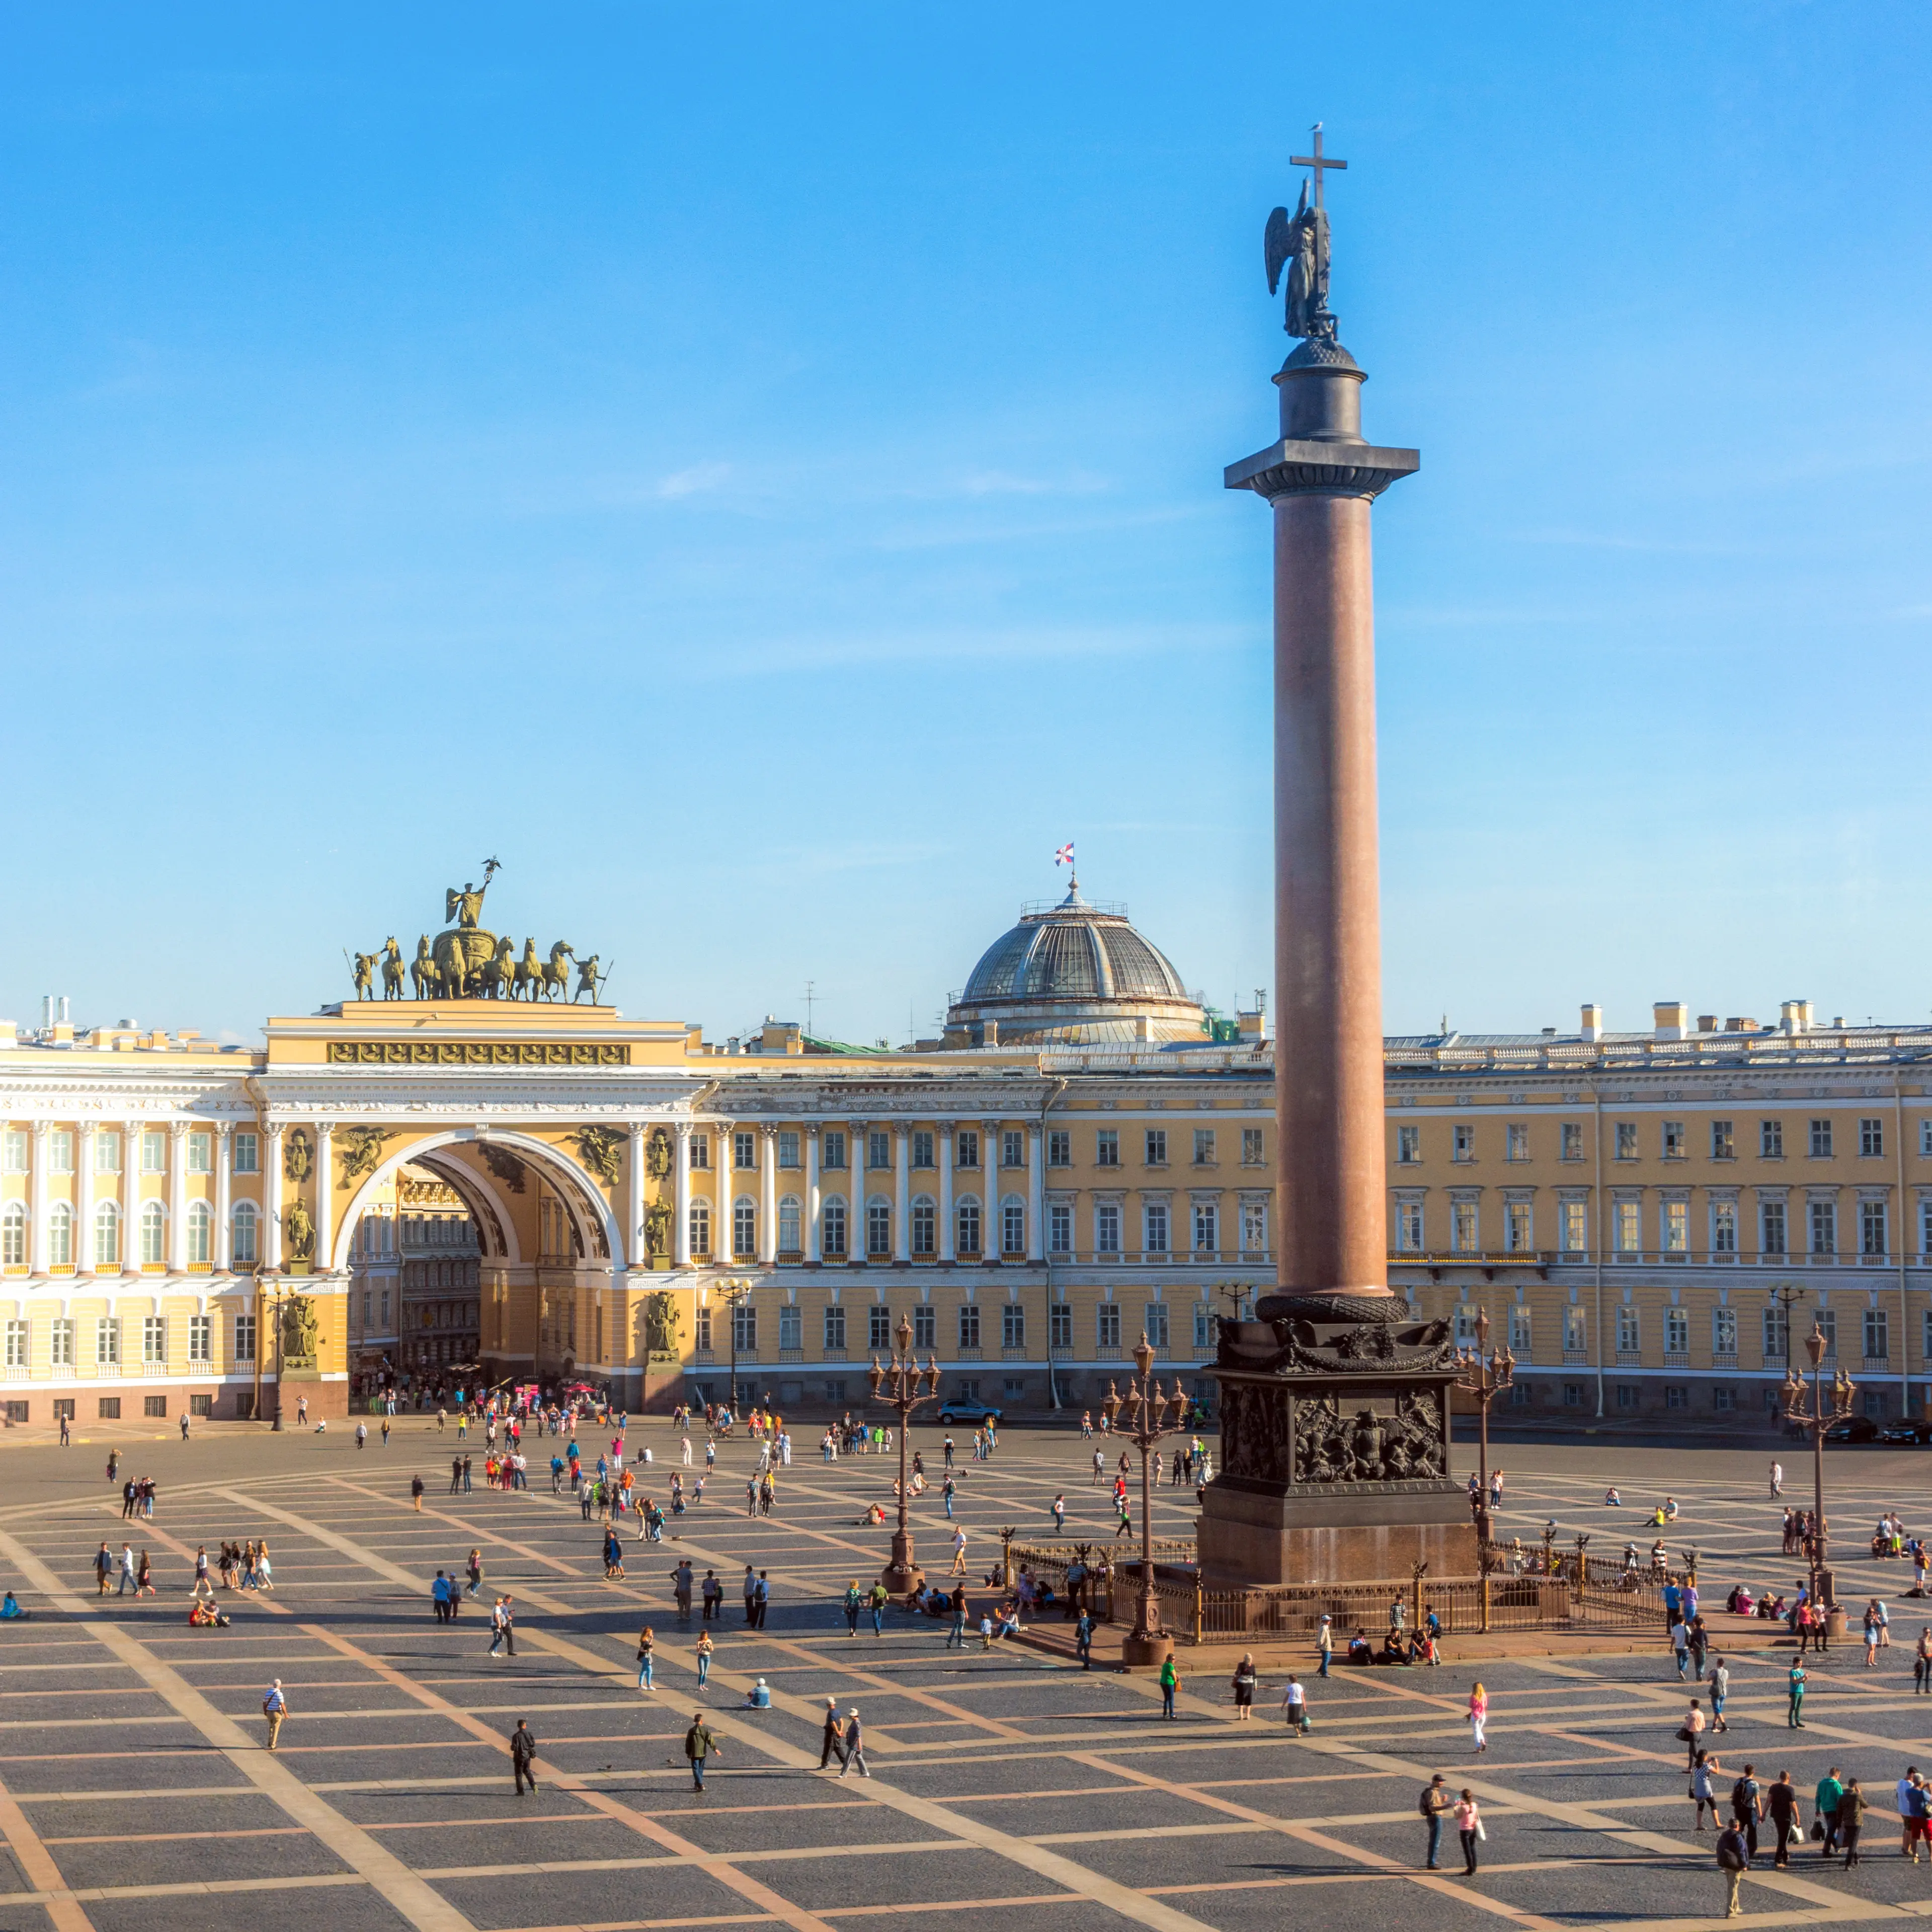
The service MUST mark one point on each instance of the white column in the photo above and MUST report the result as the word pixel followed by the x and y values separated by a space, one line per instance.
pixel 768 1194
pixel 680 1233
pixel 83 1196
pixel 725 1188
pixel 38 1201
pixel 634 1240
pixel 178 1197
pixel 945 1190
pixel 855 1218
pixel 901 1194
pixel 811 1253
pixel 325 1197
pixel 271 1198
pixel 130 1198
pixel 1036 1196
pixel 224 1246
pixel 990 1243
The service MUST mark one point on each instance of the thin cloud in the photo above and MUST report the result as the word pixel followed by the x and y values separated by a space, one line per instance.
pixel 695 480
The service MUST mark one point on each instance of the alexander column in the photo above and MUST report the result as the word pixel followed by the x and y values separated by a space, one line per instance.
pixel 1334 1403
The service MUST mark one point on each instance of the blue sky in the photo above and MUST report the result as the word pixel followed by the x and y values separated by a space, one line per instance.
pixel 756 470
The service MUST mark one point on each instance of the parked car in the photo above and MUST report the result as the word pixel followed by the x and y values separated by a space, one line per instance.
pixel 1907 1432
pixel 975 1412
pixel 1853 1428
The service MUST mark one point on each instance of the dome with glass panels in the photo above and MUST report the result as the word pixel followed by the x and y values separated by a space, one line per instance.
pixel 1073 972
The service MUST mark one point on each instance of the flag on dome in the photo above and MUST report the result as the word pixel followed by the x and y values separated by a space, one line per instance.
pixel 1064 856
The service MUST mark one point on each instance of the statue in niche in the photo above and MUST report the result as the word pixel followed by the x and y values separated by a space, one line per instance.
pixel 298 1226
pixel 297 1155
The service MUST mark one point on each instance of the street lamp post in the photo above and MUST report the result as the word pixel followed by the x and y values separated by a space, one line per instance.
pixel 1485 1376
pixel 732 1291
pixel 1151 1415
pixel 905 1385
pixel 1815 1409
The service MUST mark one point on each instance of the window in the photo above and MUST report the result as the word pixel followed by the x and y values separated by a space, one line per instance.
pixel 835 1327
pixel 1154 1328
pixel 13 1149
pixel 1677 1330
pixel 1154 1221
pixel 1157 1147
pixel 700 1227
pixel 106 1151
pixel 1824 1220
pixel 1871 1137
pixel 1106 1148
pixel 925 1328
pixel 968 1229
pixel 1059 1325
pixel 246 1157
pixel 1060 1148
pixel 245 1224
pixel 1408 1227
pixel 1107 1227
pixel 60 1235
pixel 1574 1220
pixel 154 1150
pixel 1519 1331
pixel 1013 1227
pixel 1771 1227
pixel 969 1325
pixel 1407 1146
pixel 154 1339
pixel 1723 1399
pixel 1204 1325
pixel 1254 1227
pixel 107 1341
pixel 879 1151
pixel 1776 1332
pixel 201 1152
pixel 832 1228
pixel 13 1236
pixel 1630 1227
pixel 1464 1235
pixel 1013 1325
pixel 1107 1324
pixel 200 1234
pixel 1630 1332
pixel 1572 1148
pixel 60 1347
pixel 879 1230
pixel 1573 1395
pixel 878 1327
pixel 1925 1224
pixel 154 1234
pixel 1821 1140
pixel 60 1151
pixel 1251 1147
pixel 789 1225
pixel 744 1152
pixel 1520 1233
pixel 1871 1227
pixel 745 1326
pixel 1674 1145
pixel 922 1149
pixel 1206 1228
pixel 1676 1227
pixel 702 1338
pixel 966 1148
pixel 154 1405
pixel 1464 1144
pixel 1204 1147
pixel 16 1344
pixel 832 1149
pixel 245 1338
pixel 1722 1147
pixel 701 1150
pixel 1465 1326
pixel 1627 1140
pixel 1060 1228
pixel 1575 1331
pixel 1878 1335
pixel 1013 1148
pixel 1827 1319
pixel 1723 1227
pixel 923 1226
pixel 1771 1140
pixel 1516 1142
pixel 1925 1137
pixel 1676 1396
pixel 109 1408
pixel 791 1328
pixel 787 1147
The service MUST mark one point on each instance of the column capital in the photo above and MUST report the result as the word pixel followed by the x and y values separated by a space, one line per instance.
pixel 42 1129
pixel 682 1129
pixel 948 1128
pixel 223 1129
pixel 768 1129
pixel 323 1128
pixel 858 1124
pixel 177 1130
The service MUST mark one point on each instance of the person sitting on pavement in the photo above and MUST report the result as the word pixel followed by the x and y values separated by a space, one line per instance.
pixel 10 1607
pixel 1359 1652
pixel 759 1697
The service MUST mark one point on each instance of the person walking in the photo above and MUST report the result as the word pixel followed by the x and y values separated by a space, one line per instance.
pixel 1921 1663
pixel 712 1592
pixel 959 1554
pixel 832 1738
pixel 1690 1733
pixel 1083 1639
pixel 416 1493
pixel 503 1627
pixel 1780 1806
pixel 1852 1810
pixel 1911 1799
pixel 1702 1788
pixel 1747 1808
pixel 699 1744
pixel 1720 1681
pixel 1479 1716
pixel 879 1597
pixel 274 1708
pixel 522 1752
pixel 361 1436
pixel 750 1589
pixel 1795 1682
pixel 761 1600
pixel 385 1444
pixel 1776 1481
pixel 1680 1648
pixel 129 1575
pixel 1733 1860
pixel 1436 1799
pixel 1826 1800
pixel 1469 1829
pixel 1294 1706
pixel 855 1744
pixel 646 1658
pixel 1060 1513
pixel 704 1647
pixel 1246 1678
pixel 1325 1642
pixel 1170 1682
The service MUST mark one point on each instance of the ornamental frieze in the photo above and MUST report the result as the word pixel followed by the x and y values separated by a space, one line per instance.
pixel 476 1053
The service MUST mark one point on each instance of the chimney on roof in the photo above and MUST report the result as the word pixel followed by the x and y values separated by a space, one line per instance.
pixel 1671 1017
pixel 1794 1016
pixel 1707 1022
pixel 1593 1020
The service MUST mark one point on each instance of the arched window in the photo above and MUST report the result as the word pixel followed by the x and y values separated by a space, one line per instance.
pixel 968 1216
pixel 1013 1225
pixel 745 1227
pixel 832 1228
pixel 200 1234
pixel 789 1243
pixel 107 1235
pixel 879 1228
pixel 245 1229
pixel 700 1227
pixel 922 1225
pixel 60 1235
pixel 154 1234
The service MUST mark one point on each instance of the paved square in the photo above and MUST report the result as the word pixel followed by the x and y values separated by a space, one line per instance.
pixel 1009 1787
